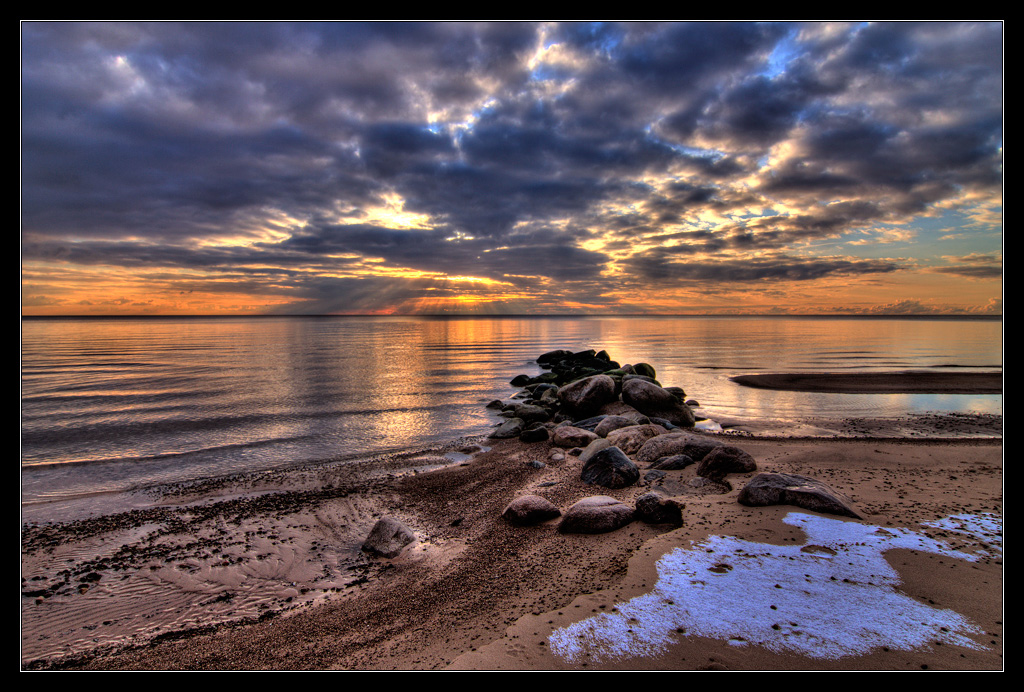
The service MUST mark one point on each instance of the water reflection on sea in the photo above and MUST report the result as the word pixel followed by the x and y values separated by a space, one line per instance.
pixel 108 404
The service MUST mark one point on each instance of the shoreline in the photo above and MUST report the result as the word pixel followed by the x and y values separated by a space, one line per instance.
pixel 473 591
pixel 913 382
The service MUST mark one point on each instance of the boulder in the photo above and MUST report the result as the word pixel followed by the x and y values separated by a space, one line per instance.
pixel 388 537
pixel 693 446
pixel 597 514
pixel 513 427
pixel 536 433
pixel 672 462
pixel 585 397
pixel 655 402
pixel 593 448
pixel 652 508
pixel 632 438
pixel 531 414
pixel 610 423
pixel 569 436
pixel 645 369
pixel 721 461
pixel 553 356
pixel 529 510
pixel 790 489
pixel 589 423
pixel 610 468
pixel 617 408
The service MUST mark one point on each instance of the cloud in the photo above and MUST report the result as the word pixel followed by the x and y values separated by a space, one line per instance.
pixel 589 153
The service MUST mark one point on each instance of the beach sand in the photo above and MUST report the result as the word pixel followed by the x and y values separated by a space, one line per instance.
pixel 265 571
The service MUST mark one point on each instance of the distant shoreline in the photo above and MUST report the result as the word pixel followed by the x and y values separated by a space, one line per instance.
pixel 879 383
pixel 946 318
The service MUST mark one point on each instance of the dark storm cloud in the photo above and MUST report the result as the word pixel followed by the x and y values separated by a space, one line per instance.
pixel 433 251
pixel 659 266
pixel 164 144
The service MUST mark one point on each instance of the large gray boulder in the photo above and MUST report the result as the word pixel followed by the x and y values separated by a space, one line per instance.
pixel 721 461
pixel 610 468
pixel 597 514
pixel 586 397
pixel 790 489
pixel 388 537
pixel 654 402
pixel 528 510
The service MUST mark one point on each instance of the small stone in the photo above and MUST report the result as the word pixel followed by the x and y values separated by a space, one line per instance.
pixel 388 537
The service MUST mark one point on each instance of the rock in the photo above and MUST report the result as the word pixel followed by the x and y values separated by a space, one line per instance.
pixel 645 369
pixel 632 438
pixel 536 463
pixel 553 356
pixel 513 427
pixel 610 468
pixel 645 378
pixel 790 489
pixel 548 396
pixel 529 510
pixel 532 414
pixel 569 436
pixel 520 380
pixel 496 404
pixel 672 462
pixel 610 423
pixel 388 537
pixel 693 446
pixel 653 401
pixel 589 423
pixel 585 397
pixel 652 508
pixel 534 434
pixel 597 514
pixel 652 476
pixel 722 461
pixel 617 408
pixel 593 448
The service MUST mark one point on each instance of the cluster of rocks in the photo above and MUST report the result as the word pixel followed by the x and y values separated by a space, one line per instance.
pixel 616 418
pixel 595 514
pixel 581 389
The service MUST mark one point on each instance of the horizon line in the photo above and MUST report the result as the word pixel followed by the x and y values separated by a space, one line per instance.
pixel 517 315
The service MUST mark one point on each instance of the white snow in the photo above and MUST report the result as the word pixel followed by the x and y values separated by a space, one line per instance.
pixel 834 596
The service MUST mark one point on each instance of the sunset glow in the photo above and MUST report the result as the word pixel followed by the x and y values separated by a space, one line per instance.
pixel 511 168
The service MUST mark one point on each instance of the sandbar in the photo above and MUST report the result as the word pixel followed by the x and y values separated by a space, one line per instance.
pixel 879 383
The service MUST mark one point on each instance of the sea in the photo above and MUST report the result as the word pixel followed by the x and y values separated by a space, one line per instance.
pixel 109 406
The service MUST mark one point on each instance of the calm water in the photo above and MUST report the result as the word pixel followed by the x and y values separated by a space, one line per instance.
pixel 111 404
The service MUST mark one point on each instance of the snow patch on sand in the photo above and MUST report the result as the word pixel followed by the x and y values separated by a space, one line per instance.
pixel 832 597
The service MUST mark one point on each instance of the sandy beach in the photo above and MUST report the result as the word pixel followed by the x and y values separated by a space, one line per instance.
pixel 265 571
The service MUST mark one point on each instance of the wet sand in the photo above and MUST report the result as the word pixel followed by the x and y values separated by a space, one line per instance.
pixel 265 571
pixel 879 383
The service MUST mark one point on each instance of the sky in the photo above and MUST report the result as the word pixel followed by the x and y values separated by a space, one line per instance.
pixel 511 168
